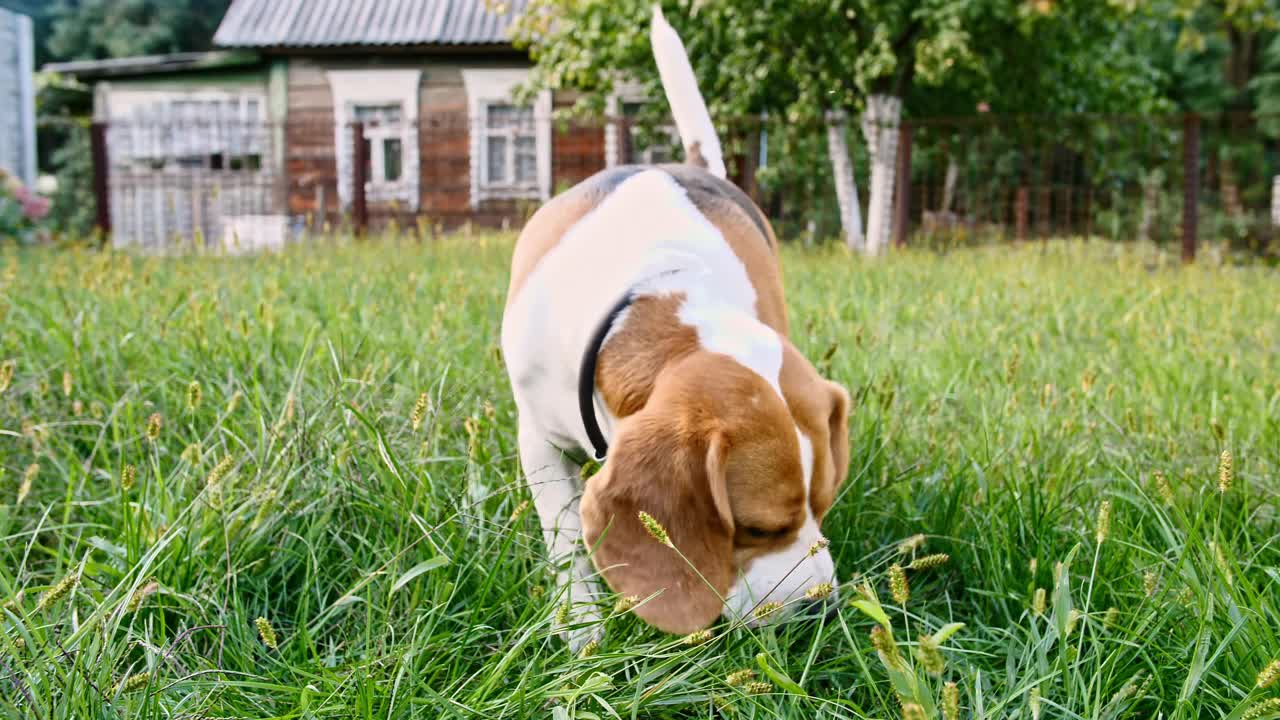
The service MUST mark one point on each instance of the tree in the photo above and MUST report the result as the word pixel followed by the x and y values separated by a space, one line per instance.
pixel 96 29
pixel 809 62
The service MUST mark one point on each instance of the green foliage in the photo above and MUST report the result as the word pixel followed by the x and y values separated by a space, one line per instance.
pixel 294 501
pixel 73 207
pixel 798 60
pixel 94 29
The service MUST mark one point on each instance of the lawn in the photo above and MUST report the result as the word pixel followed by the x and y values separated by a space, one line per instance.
pixel 287 487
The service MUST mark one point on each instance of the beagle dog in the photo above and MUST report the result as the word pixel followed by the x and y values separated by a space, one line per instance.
pixel 645 324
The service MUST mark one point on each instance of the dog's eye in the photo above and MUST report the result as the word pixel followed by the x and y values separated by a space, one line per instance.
pixel 759 533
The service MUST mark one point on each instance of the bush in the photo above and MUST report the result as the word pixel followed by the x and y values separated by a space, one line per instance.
pixel 20 209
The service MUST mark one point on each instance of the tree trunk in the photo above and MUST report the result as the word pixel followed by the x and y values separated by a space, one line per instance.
pixel 949 184
pixel 846 187
pixel 880 127
pixel 1151 185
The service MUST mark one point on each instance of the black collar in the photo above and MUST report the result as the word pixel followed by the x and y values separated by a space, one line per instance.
pixel 587 377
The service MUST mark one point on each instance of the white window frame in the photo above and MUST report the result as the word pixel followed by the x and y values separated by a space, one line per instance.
pixel 494 87
pixel 146 127
pixel 629 93
pixel 352 88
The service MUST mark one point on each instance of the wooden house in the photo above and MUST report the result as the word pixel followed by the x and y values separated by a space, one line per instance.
pixel 254 141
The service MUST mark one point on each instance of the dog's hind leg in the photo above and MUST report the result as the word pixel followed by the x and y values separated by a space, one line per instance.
pixel 553 482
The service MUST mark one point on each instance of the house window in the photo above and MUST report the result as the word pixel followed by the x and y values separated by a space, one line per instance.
pixel 651 146
pixel 626 141
pixel 510 148
pixel 510 143
pixel 386 102
pixel 384 128
pixel 154 131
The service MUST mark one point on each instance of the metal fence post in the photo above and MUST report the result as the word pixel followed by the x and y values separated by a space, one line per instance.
pixel 101 179
pixel 359 178
pixel 1020 204
pixel 1190 185
pixel 902 226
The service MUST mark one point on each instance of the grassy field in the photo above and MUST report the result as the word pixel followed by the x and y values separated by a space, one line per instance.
pixel 287 487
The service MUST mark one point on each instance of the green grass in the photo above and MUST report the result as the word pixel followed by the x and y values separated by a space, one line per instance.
pixel 1001 396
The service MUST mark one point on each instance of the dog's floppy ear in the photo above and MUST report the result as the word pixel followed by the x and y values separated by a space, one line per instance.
pixel 675 473
pixel 821 409
pixel 837 420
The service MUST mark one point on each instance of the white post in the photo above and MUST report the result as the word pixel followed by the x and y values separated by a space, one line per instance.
pixel 26 101
pixel 1275 201
pixel 880 127
pixel 846 187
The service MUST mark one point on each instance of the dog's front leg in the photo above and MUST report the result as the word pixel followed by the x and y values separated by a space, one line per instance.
pixel 553 483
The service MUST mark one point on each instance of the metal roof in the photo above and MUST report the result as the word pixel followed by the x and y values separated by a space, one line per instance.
pixel 336 23
pixel 152 64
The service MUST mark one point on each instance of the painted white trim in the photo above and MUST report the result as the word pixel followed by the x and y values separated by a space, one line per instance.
pixel 377 87
pixel 27 99
pixel 485 87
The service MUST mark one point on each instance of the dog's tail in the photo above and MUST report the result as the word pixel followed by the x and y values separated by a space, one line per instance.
pixel 701 145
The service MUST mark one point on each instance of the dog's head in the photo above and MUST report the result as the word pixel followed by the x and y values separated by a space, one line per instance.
pixel 739 476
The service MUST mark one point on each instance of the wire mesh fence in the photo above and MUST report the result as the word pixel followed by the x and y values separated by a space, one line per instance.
pixel 245 184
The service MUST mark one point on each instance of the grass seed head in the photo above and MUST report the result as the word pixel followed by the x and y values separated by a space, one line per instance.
pixel 1225 472
pixel 194 395
pixel 740 677
pixel 1163 487
pixel 6 374
pixel 818 546
pixel 28 479
pixel 911 711
pixel 655 529
pixel 154 424
pixel 1073 618
pixel 1150 583
pixel 1111 617
pixel 1034 701
pixel 819 592
pixel 219 471
pixel 930 655
pixel 234 402
pixel 1103 527
pixel 133 683
pixel 625 603
pixel 764 610
pixel 929 562
pixel 141 594
pixel 68 383
pixel 419 411
pixel 1264 709
pixel 951 701
pixel 1038 602
pixel 1269 675
pixel 266 633
pixel 758 687
pixel 911 544
pixel 886 648
pixel 697 638
pixel 59 591
pixel 128 477
pixel 898 586
pixel 589 649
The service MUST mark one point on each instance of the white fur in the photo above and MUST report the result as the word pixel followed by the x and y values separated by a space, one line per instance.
pixel 646 235
pixel 687 106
